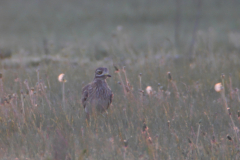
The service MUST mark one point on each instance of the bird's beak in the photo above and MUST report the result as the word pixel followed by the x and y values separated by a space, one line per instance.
pixel 108 75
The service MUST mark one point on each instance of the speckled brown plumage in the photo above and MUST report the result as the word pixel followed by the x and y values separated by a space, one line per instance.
pixel 97 95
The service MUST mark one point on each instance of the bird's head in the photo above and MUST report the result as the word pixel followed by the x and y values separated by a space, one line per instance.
pixel 102 73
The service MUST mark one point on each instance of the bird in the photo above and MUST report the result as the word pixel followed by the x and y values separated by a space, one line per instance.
pixel 97 95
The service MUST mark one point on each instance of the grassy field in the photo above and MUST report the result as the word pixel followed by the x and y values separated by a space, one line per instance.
pixel 179 48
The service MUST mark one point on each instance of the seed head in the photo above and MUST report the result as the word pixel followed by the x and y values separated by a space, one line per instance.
pixel 167 93
pixel 229 112
pixel 200 121
pixel 213 138
pixel 116 68
pixel 125 143
pixel 169 76
pixel 218 87
pixel 145 128
pixel 9 96
pixel 5 100
pixel 223 76
pixel 25 81
pixel 149 139
pixel 149 90
pixel 168 123
pixel 61 78
pixel 229 138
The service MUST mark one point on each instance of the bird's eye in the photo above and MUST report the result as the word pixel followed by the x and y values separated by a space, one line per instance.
pixel 99 72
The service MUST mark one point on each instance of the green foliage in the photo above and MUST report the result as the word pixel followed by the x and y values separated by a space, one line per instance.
pixel 182 117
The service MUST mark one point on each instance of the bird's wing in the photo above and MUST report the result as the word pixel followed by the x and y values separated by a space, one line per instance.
pixel 111 97
pixel 85 95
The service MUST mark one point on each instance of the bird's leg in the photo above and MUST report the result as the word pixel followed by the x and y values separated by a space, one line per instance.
pixel 87 117
pixel 105 112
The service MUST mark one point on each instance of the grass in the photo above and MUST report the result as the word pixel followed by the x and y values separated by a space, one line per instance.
pixel 183 117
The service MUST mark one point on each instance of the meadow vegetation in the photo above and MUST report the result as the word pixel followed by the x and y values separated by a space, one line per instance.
pixel 164 60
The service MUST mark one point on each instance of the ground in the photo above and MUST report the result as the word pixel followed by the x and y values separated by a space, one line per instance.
pixel 177 49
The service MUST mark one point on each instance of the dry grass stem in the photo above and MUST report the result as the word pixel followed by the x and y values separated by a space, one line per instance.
pixel 155 115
